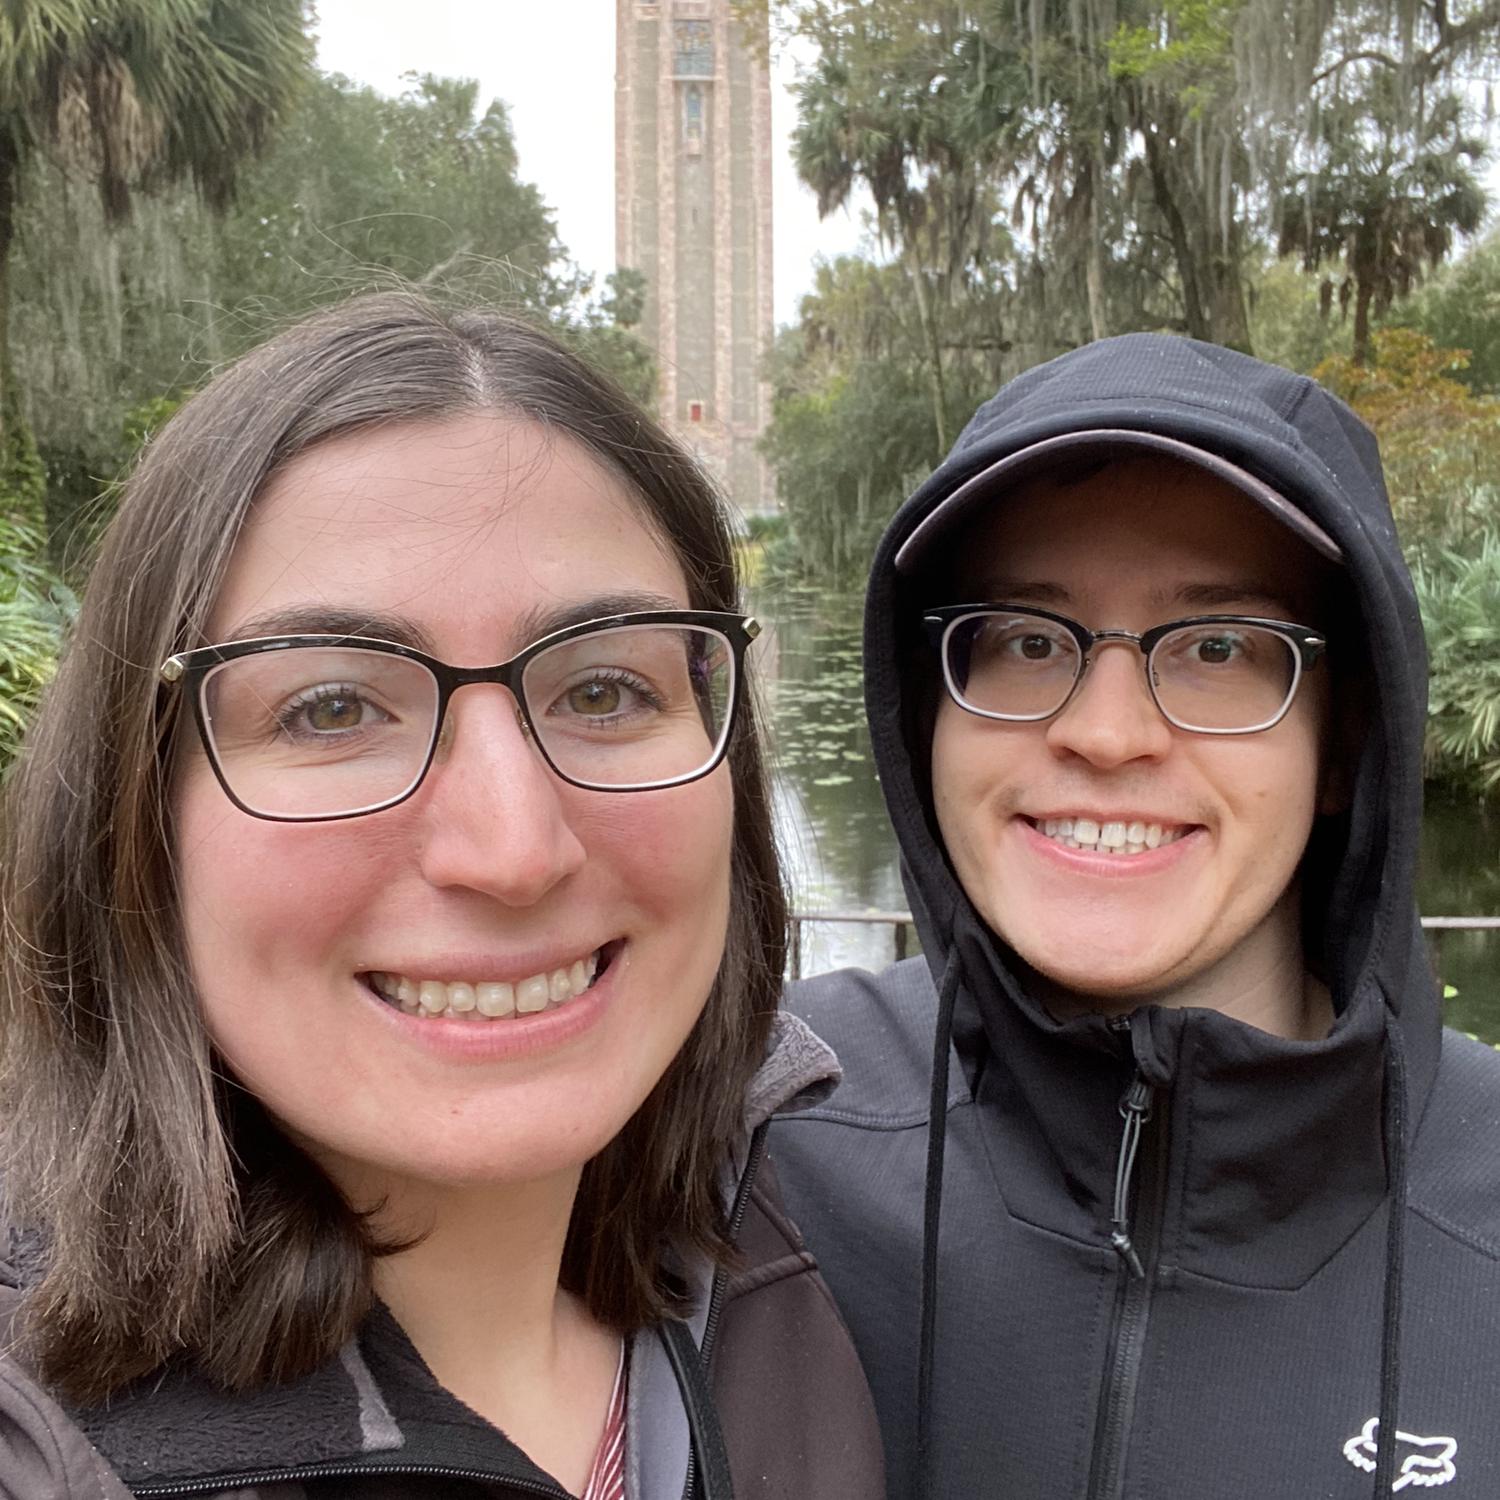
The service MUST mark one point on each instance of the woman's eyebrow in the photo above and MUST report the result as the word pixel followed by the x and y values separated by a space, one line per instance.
pixel 530 625
pixel 534 623
pixel 320 619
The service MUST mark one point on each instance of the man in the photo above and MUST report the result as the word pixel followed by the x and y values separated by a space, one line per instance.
pixel 1146 686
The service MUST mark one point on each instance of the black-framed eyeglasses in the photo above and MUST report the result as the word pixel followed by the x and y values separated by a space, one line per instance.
pixel 302 728
pixel 1211 674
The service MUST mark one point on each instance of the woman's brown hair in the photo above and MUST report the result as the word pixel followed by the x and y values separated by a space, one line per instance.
pixel 170 1216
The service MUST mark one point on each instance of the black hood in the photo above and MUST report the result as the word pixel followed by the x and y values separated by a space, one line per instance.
pixel 1162 1254
pixel 1277 1151
pixel 1287 431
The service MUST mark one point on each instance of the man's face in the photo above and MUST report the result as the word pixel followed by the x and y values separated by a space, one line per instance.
pixel 1211 912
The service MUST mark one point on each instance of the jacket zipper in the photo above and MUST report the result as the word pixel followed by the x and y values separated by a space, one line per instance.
pixel 1134 1237
pixel 737 1212
pixel 218 1484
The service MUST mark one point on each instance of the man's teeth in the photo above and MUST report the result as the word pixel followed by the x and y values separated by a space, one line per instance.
pixel 1109 838
pixel 489 999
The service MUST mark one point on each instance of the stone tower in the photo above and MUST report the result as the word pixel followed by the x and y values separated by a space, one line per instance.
pixel 693 214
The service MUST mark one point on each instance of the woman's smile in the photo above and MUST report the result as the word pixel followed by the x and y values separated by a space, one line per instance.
pixel 486 999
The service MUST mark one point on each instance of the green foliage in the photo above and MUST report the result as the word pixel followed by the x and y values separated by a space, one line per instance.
pixel 624 300
pixel 1440 443
pixel 112 329
pixel 23 477
pixel 1151 152
pixel 836 507
pixel 35 610
pixel 900 103
pixel 1384 205
pixel 361 190
pixel 147 92
pixel 602 330
pixel 133 96
pixel 766 528
pixel 1460 598
pixel 1441 448
pixel 1089 121
pixel 852 425
pixel 1460 309
pixel 1291 324
pixel 1185 49
pixel 146 418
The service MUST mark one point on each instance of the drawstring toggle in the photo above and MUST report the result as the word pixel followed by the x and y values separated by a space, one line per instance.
pixel 1135 1110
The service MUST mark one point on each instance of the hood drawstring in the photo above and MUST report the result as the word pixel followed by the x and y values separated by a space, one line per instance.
pixel 1393 1131
pixel 932 1206
pixel 1135 1110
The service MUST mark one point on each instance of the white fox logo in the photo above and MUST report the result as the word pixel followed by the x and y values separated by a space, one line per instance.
pixel 1431 1464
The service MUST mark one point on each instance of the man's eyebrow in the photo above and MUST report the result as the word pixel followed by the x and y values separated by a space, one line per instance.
pixel 370 625
pixel 1245 595
pixel 1237 595
pixel 1014 590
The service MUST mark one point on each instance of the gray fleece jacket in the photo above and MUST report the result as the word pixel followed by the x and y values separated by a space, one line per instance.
pixel 796 1413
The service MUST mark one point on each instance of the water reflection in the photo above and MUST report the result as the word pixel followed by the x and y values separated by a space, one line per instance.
pixel 1460 876
pixel 832 822
pixel 841 856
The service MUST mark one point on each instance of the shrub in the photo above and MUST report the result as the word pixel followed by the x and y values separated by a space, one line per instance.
pixel 1460 598
pixel 36 608
pixel 1440 443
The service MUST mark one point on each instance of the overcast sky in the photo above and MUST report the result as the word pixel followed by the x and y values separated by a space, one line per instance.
pixel 553 63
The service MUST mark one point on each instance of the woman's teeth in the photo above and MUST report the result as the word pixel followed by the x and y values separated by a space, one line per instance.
pixel 1108 838
pixel 489 1000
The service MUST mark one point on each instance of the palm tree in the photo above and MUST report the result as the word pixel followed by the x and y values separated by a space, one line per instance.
pixel 136 94
pixel 1386 194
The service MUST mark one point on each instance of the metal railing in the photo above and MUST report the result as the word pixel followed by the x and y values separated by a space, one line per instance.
pixel 900 922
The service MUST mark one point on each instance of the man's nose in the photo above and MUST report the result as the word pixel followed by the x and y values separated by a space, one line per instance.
pixel 1111 718
pixel 496 819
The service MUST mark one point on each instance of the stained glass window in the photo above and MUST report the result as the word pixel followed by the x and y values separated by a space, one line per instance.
pixel 694 43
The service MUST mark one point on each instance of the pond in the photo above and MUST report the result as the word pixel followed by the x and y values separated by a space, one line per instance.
pixel 841 855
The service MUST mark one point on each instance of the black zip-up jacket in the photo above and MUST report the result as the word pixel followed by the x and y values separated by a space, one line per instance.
pixel 1317 1223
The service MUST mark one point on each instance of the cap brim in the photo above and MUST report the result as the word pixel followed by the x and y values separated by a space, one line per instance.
pixel 1102 443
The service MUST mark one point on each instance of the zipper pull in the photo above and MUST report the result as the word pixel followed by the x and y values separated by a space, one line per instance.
pixel 1135 1110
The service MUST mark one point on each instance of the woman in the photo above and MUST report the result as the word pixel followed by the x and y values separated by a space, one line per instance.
pixel 386 1039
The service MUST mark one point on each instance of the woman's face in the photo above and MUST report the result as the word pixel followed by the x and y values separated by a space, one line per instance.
pixel 469 536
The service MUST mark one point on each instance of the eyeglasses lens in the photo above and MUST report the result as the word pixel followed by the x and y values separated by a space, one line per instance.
pixel 634 706
pixel 1225 677
pixel 1019 666
pixel 316 731
pixel 320 731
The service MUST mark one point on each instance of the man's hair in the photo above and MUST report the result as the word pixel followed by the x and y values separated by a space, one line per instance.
pixel 171 1216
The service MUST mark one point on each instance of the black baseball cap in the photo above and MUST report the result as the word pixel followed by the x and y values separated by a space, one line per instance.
pixel 1288 445
pixel 1100 445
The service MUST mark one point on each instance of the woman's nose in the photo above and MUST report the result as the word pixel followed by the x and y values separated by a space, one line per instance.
pixel 1111 718
pixel 495 817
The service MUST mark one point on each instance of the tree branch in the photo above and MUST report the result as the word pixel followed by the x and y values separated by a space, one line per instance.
pixel 1364 55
